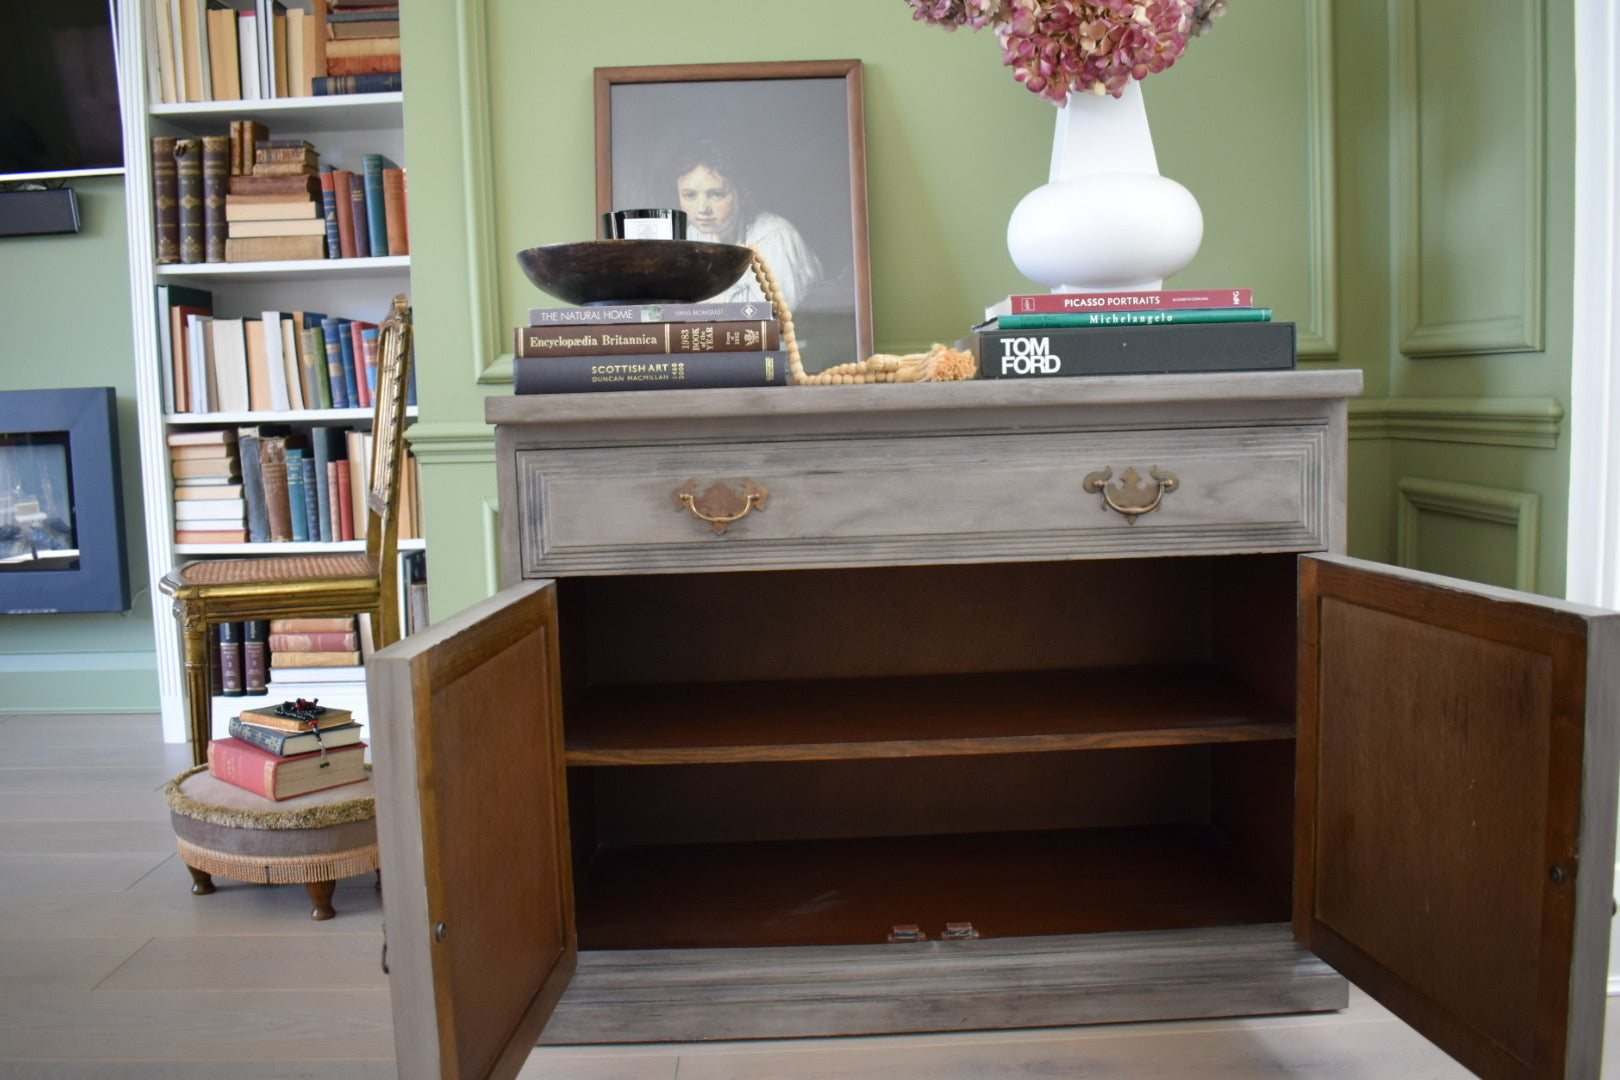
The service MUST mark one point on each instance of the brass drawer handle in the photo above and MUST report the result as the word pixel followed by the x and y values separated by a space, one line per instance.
pixel 721 503
pixel 1131 496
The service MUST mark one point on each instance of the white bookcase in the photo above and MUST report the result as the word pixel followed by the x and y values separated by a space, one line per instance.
pixel 342 128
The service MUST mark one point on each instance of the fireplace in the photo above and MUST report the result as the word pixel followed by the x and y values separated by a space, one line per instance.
pixel 61 505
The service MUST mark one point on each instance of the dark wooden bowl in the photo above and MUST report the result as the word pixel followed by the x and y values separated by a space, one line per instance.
pixel 634 271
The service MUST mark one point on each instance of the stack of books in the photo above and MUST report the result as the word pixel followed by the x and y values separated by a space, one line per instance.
pixel 294 748
pixel 312 643
pixel 362 42
pixel 1129 333
pixel 272 212
pixel 648 347
pixel 247 197
pixel 208 503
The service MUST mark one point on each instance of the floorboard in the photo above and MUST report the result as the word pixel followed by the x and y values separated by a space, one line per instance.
pixel 111 970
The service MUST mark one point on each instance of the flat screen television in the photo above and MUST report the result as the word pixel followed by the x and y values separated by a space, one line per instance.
pixel 58 90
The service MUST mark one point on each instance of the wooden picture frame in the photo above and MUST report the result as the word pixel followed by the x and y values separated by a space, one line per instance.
pixel 793 135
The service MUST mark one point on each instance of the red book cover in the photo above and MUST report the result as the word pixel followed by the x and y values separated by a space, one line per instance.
pixel 263 773
pixel 315 641
pixel 1054 303
pixel 343 198
pixel 345 497
pixel 362 383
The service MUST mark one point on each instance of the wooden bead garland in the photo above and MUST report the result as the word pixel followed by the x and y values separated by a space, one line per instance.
pixel 938 364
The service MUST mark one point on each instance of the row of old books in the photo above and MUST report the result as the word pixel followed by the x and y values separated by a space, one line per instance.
pixel 293 748
pixel 246 197
pixel 257 657
pixel 271 483
pixel 269 361
pixel 648 347
pixel 1129 333
pixel 231 50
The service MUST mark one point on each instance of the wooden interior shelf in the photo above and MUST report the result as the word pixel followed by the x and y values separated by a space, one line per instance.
pixel 853 891
pixel 917 716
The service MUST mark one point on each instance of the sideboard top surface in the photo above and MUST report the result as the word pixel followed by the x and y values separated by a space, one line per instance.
pixel 955 406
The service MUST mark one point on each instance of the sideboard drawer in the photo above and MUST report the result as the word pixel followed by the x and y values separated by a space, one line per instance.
pixel 951 498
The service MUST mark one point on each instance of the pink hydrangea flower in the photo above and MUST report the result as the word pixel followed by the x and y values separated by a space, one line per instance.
pixel 1060 47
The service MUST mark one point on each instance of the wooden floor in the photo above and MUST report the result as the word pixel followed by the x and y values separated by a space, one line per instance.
pixel 110 968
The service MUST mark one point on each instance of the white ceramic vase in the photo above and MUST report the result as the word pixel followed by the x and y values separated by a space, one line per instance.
pixel 1106 220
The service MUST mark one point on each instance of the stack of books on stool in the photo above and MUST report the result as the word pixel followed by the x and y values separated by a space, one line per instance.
pixel 294 748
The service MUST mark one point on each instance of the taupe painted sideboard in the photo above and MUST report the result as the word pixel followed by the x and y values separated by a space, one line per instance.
pixel 900 708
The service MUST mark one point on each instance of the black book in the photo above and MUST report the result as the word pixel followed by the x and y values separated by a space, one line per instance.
pixel 1134 350
pixel 230 659
pixel 256 657
pixel 577 374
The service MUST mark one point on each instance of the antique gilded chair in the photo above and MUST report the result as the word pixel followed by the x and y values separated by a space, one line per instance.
pixel 210 591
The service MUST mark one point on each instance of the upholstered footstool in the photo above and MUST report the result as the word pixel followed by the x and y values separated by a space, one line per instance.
pixel 311 840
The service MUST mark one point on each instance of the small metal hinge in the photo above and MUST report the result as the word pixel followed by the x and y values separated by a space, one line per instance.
pixel 907 932
pixel 959 931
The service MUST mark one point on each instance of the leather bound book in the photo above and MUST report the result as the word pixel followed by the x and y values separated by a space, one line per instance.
pixel 273 470
pixel 216 173
pixel 189 190
pixel 165 199
pixel 396 224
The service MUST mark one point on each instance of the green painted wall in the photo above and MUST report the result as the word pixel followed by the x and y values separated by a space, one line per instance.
pixel 500 135
pixel 64 301
pixel 1412 218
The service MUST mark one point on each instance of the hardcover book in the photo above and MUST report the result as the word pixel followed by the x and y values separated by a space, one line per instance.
pixel 270 208
pixel 1126 318
pixel 189 196
pixel 273 474
pixel 579 374
pixel 1134 350
pixel 752 335
pixel 263 773
pixel 274 248
pixel 372 166
pixel 315 658
pixel 396 226
pixel 267 716
pixel 255 657
pixel 316 641
pixel 293 743
pixel 165 199
pixel 309 624
pixel 275 185
pixel 702 311
pixel 230 659
pixel 216 167
pixel 297 511
pixel 1023 304
pixel 379 83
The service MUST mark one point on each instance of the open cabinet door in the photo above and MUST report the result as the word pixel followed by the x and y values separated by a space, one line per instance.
pixel 472 823
pixel 1457 782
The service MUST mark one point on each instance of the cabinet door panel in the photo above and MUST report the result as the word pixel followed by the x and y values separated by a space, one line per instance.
pixel 1455 835
pixel 473 825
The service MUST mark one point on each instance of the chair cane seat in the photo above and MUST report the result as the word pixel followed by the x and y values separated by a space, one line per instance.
pixel 274 568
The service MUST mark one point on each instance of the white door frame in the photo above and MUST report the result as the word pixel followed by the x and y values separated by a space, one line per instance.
pixel 1593 552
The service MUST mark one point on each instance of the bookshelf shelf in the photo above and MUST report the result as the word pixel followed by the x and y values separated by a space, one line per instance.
pixel 339 112
pixel 289 548
pixel 343 129
pixel 302 416
pixel 387 266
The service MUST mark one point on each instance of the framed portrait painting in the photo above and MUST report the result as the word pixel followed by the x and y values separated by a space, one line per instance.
pixel 767 154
